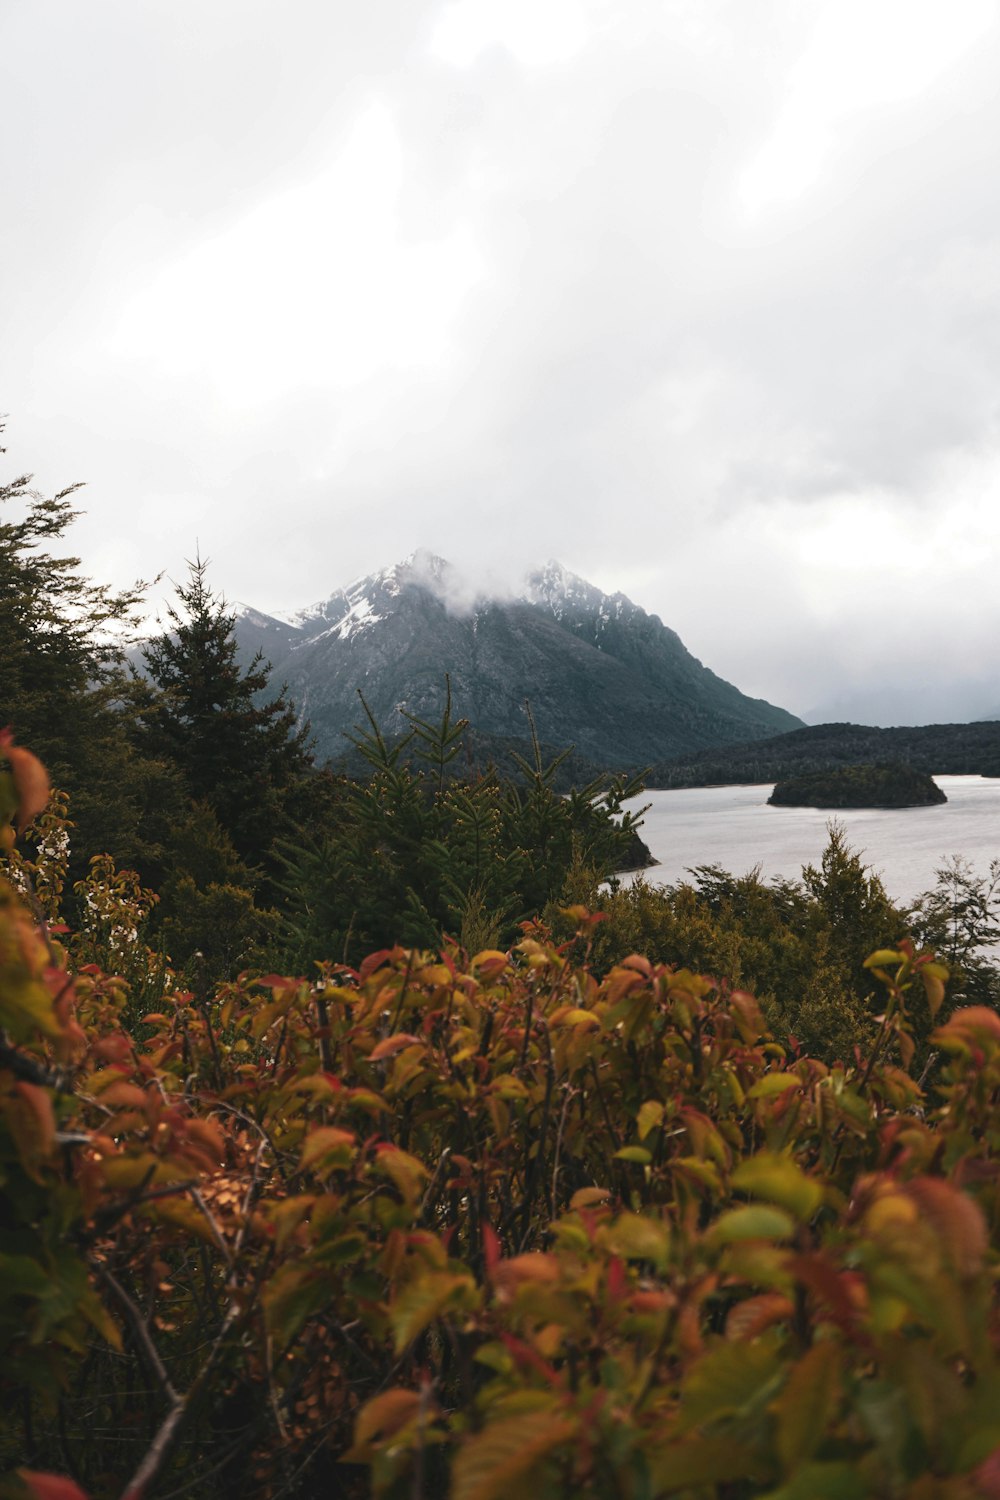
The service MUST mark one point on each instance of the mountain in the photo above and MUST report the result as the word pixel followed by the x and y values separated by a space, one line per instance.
pixel 599 672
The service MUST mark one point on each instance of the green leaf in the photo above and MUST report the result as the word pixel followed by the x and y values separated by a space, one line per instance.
pixel 22 1276
pixel 780 1180
pixel 292 1295
pixel 807 1404
pixel 883 958
pixel 406 1171
pixel 635 1153
pixel 727 1381
pixel 774 1083
pixel 649 1116
pixel 699 1461
pixel 495 1463
pixel 635 1237
pixel 831 1481
pixel 424 1299
pixel 757 1221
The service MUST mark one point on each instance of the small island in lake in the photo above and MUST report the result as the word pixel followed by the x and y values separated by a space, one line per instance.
pixel 859 786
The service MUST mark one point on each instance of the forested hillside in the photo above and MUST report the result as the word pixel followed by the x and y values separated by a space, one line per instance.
pixel 941 749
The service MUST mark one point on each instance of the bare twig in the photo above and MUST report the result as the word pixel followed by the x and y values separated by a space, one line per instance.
pixel 433 1186
pixel 140 1329
pixel 210 1219
pixel 570 1095
pixel 166 1434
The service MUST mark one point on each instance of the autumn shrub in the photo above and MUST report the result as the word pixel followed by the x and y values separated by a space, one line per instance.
pixel 799 945
pixel 477 1225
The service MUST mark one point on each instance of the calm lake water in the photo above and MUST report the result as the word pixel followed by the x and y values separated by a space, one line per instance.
pixel 732 826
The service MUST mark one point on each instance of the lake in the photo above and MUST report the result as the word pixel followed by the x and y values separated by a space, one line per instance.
pixel 733 826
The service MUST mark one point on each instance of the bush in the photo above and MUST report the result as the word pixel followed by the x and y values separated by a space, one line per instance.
pixel 447 1226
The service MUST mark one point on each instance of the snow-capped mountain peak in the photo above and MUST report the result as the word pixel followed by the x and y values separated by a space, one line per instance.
pixel 599 671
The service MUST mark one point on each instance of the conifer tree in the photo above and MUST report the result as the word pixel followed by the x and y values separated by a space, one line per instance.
pixel 246 757
pixel 63 687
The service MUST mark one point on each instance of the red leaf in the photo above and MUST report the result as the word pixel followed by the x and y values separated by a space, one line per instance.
pixel 970 1025
pixel 491 1248
pixel 955 1219
pixel 617 1280
pixel 374 961
pixel 31 781
pixel 986 1476
pixel 51 1486
pixel 528 1359
pixel 831 1287
pixel 392 1045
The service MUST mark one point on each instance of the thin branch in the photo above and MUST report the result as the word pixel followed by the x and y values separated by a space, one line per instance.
pixel 567 1100
pixel 140 1328
pixel 210 1219
pixel 432 1187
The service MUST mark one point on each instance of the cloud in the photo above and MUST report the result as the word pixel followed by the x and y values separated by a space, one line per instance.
pixel 701 298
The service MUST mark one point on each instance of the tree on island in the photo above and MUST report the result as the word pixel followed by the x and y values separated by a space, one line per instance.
pixel 888 785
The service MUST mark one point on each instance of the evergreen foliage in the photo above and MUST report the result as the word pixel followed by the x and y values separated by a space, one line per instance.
pixel 63 683
pixel 244 757
pixel 412 851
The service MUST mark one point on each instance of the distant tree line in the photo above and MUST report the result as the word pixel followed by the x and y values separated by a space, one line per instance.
pixel 937 749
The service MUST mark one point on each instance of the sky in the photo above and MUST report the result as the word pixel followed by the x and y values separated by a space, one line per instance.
pixel 700 297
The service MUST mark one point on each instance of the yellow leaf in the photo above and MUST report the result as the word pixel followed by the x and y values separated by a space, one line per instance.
pixel 780 1180
pixel 589 1197
pixel 637 1237
pixel 650 1115
pixel 393 1044
pixel 328 1145
pixel 385 1414
pixel 406 1171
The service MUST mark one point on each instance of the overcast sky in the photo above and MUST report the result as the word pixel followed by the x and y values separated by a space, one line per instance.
pixel 701 297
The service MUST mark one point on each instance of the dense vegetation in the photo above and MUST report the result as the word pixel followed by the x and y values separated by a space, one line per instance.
pixel 892 785
pixel 523 1200
pixel 936 749
pixel 453 1225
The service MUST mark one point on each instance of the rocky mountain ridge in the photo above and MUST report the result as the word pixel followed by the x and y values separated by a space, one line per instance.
pixel 599 672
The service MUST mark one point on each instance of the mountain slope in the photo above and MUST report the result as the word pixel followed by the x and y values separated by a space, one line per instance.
pixel 599 672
